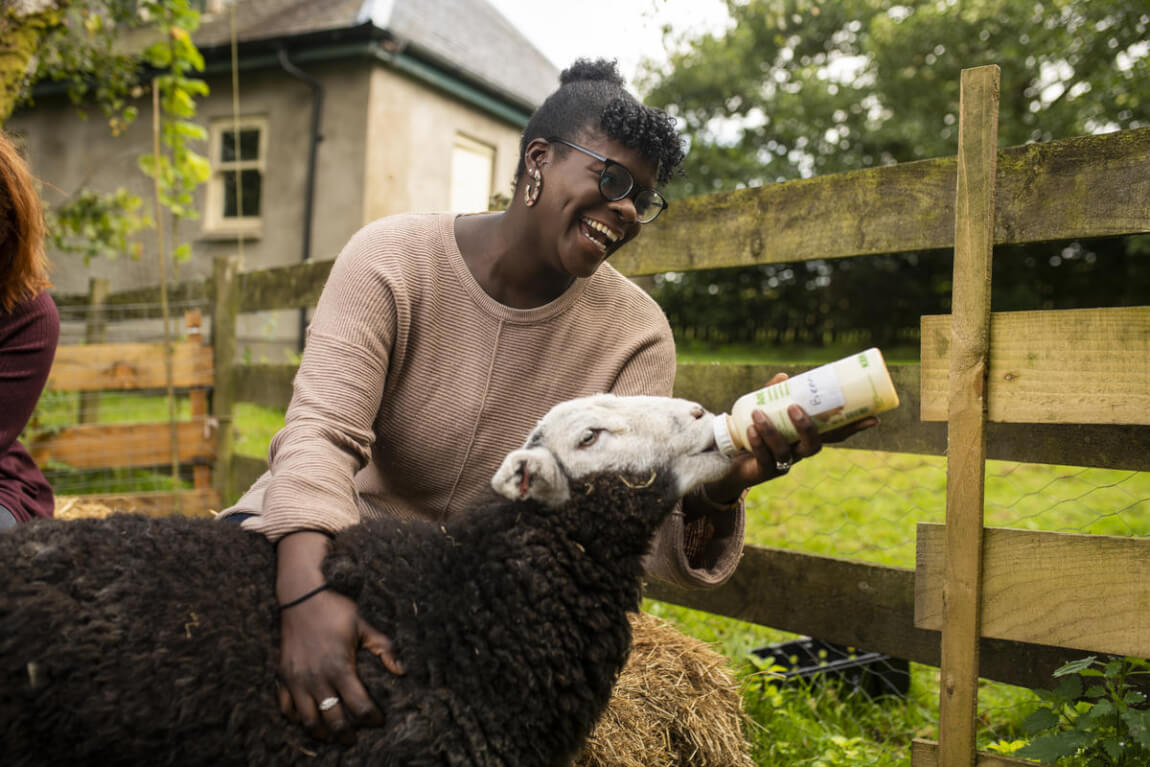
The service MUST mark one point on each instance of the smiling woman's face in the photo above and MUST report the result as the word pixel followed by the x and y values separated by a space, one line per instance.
pixel 585 227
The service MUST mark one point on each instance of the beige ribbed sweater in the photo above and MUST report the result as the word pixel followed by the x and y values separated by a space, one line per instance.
pixel 415 383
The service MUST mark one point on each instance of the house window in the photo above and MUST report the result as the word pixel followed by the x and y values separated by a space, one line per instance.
pixel 207 6
pixel 472 169
pixel 235 194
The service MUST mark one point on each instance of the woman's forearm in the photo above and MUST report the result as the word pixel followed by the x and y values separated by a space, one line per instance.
pixel 299 559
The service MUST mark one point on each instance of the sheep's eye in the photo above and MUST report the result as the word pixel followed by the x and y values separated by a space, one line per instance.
pixel 589 437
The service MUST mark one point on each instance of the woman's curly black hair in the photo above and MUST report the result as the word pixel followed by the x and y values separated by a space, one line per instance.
pixel 591 95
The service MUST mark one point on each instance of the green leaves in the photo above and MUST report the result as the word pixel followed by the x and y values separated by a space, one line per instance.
pixel 95 224
pixel 1042 719
pixel 1076 666
pixel 863 82
pixel 797 88
pixel 102 49
pixel 1111 731
pixel 1051 748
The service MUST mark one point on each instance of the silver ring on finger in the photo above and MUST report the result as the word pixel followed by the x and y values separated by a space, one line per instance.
pixel 783 466
pixel 327 704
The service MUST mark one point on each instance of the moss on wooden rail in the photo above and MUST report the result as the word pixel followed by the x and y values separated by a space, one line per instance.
pixel 141 303
pixel 1093 186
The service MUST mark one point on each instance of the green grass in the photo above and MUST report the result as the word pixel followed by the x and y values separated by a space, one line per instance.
pixel 255 426
pixel 845 503
pixel 757 354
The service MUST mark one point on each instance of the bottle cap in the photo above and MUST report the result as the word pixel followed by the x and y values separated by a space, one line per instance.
pixel 723 435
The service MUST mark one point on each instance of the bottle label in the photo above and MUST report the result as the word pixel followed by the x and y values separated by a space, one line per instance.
pixel 818 391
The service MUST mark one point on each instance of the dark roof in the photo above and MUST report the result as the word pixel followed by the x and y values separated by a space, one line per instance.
pixel 469 36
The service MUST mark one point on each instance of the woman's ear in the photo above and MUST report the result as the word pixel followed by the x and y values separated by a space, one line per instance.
pixel 537 154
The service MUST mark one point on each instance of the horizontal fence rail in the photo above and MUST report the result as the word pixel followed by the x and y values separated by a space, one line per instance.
pixel 1093 186
pixel 1090 592
pixel 852 603
pixel 924 753
pixel 114 367
pixel 1071 366
pixel 89 446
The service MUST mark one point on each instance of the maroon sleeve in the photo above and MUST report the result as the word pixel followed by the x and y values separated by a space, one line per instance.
pixel 28 337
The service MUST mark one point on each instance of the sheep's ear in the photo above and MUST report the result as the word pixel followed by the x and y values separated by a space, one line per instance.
pixel 532 473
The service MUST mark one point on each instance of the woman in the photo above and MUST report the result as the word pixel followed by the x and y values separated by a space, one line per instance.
pixel 29 330
pixel 437 344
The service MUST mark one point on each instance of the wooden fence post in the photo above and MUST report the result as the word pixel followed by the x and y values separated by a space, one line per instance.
pixel 94 333
pixel 225 310
pixel 966 415
pixel 198 401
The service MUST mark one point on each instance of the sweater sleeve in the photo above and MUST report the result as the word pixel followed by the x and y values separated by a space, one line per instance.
pixel 703 552
pixel 328 435
pixel 28 340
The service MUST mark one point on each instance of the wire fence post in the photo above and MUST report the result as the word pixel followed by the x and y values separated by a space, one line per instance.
pixel 95 332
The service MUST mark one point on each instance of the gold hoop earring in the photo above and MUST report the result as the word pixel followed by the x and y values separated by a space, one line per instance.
pixel 531 193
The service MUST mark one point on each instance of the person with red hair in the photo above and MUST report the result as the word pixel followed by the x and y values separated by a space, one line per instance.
pixel 29 331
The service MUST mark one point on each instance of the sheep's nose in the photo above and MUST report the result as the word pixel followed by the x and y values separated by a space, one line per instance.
pixel 697 412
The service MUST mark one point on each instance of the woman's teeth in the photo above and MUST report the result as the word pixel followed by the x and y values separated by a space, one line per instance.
pixel 599 234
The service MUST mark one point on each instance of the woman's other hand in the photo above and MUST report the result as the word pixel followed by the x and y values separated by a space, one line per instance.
pixel 319 687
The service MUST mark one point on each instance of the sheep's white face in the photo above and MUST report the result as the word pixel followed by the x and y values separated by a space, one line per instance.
pixel 605 432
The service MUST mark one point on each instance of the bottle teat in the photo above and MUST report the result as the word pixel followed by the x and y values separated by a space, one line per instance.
pixel 722 429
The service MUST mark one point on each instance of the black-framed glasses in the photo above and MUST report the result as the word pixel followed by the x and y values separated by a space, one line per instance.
pixel 616 182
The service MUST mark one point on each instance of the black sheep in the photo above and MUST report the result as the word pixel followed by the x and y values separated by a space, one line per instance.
pixel 142 641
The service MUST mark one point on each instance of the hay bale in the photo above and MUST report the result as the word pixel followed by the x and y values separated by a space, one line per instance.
pixel 676 704
pixel 77 507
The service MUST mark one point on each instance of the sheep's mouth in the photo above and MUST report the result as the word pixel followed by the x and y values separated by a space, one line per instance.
pixel 710 447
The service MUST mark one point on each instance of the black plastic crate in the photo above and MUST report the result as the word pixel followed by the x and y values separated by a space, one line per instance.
pixel 819 661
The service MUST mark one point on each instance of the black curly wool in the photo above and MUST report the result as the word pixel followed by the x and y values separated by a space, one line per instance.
pixel 145 641
pixel 591 96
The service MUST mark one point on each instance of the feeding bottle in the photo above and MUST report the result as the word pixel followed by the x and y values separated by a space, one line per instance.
pixel 835 394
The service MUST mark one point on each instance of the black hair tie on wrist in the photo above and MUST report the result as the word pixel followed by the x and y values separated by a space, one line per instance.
pixel 305 597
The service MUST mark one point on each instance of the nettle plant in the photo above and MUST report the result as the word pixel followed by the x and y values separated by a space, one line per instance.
pixel 1095 717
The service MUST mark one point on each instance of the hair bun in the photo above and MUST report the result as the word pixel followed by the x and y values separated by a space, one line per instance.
pixel 588 69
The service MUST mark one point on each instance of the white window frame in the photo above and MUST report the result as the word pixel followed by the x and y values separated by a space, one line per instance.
pixel 479 149
pixel 214 220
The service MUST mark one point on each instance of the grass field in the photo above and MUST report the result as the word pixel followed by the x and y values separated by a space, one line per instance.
pixel 845 503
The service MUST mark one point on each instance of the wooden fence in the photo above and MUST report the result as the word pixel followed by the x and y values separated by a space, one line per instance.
pixel 1059 387
pixel 183 368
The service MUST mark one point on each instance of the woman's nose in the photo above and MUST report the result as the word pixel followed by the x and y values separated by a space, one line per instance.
pixel 625 209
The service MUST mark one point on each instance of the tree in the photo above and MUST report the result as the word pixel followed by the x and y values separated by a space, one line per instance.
pixel 798 88
pixel 108 51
